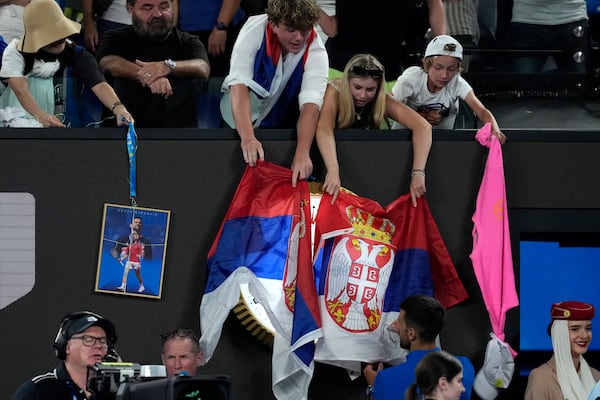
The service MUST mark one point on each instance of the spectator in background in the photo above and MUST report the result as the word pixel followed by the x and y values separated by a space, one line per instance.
pixel 566 375
pixel 463 26
pixel 556 25
pixel 279 88
pixel 433 90
pixel 438 376
pixel 327 24
pixel 420 321
pixel 395 33
pixel 11 19
pixel 29 64
pixel 156 68
pixel 217 24
pixel 100 17
pixel 181 353
pixel 358 100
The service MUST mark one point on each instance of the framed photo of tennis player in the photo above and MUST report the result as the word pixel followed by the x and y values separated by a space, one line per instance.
pixel 133 246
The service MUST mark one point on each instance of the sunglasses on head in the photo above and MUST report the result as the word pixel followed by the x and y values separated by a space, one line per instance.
pixel 374 73
pixel 182 333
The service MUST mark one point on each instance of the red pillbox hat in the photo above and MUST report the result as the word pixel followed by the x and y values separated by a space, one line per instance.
pixel 572 311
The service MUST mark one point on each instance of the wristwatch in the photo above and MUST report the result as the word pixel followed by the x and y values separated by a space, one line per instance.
pixel 171 64
pixel 220 26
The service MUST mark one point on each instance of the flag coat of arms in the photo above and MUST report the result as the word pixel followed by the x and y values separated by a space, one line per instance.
pixel 368 259
pixel 264 241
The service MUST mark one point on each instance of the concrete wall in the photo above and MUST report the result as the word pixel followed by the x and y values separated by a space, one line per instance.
pixel 194 173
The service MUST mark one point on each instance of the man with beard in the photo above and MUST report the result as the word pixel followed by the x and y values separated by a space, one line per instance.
pixel 83 339
pixel 157 69
pixel 420 321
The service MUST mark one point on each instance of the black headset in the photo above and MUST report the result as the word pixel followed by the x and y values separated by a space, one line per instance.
pixel 64 331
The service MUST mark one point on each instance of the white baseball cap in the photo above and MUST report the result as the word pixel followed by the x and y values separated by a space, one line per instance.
pixel 497 370
pixel 444 45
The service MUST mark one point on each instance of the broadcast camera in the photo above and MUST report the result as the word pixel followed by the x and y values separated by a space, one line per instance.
pixel 130 381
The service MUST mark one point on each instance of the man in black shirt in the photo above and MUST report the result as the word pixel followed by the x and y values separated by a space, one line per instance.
pixel 83 339
pixel 157 69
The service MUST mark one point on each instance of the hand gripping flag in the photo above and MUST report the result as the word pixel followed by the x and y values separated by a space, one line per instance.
pixel 367 261
pixel 264 242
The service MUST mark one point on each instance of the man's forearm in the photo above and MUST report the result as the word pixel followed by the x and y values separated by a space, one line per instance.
pixel 306 128
pixel 195 68
pixel 118 67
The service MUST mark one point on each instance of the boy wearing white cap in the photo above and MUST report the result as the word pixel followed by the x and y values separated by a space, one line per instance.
pixel 566 375
pixel 433 90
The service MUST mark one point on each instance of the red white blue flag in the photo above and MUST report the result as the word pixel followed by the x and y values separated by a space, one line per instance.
pixel 368 260
pixel 264 242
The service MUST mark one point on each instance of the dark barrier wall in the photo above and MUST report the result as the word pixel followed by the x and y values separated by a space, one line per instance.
pixel 193 173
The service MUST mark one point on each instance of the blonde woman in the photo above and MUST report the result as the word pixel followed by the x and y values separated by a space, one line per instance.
pixel 358 100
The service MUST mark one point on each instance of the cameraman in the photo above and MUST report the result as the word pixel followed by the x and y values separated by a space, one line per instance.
pixel 83 339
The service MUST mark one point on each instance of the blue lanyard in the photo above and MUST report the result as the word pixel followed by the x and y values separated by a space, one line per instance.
pixel 131 151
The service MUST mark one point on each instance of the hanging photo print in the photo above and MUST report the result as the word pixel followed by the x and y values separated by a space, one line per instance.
pixel 132 251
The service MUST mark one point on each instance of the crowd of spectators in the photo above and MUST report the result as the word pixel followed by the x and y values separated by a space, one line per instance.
pixel 556 37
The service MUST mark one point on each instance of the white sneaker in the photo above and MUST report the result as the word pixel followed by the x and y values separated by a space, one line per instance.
pixel 141 289
pixel 122 287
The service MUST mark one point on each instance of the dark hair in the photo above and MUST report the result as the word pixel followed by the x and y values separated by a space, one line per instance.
pixel 424 314
pixel 66 57
pixel 432 367
pixel 298 14
pixel 181 333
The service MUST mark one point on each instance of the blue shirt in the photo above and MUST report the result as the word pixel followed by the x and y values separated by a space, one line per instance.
pixel 202 15
pixel 391 383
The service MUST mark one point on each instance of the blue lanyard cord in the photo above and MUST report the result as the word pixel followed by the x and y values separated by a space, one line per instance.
pixel 131 151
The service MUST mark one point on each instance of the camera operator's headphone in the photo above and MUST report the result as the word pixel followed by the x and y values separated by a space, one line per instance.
pixel 79 321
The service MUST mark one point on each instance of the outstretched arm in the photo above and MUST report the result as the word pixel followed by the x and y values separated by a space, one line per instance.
pixel 241 109
pixel 326 142
pixel 421 139
pixel 106 94
pixel 305 129
pixel 484 115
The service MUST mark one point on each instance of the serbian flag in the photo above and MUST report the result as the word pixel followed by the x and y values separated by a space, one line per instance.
pixel 264 242
pixel 368 260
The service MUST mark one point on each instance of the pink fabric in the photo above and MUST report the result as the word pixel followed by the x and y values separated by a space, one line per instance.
pixel 492 254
